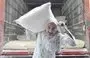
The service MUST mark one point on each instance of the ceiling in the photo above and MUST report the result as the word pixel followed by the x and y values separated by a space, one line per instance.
pixel 34 3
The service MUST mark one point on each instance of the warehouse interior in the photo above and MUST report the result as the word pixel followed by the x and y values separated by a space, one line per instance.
pixel 72 9
pixel 14 11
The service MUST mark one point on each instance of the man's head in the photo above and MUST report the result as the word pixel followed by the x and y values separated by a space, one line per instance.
pixel 51 28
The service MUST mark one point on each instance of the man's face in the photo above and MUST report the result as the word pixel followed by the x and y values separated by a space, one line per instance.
pixel 52 28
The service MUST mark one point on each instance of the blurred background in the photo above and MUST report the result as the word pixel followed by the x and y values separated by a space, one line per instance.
pixel 77 14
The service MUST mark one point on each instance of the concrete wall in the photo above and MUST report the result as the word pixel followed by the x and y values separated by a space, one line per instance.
pixel 56 11
pixel 73 10
pixel 13 10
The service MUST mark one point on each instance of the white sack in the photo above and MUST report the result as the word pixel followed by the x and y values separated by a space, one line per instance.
pixel 36 19
pixel 17 45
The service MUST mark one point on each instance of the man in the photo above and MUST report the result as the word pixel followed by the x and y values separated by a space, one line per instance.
pixel 48 42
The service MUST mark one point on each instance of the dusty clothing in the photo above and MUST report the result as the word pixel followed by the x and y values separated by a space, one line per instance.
pixel 47 46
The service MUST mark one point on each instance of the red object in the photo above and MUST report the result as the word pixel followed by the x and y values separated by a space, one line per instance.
pixel 73 52
pixel 2 11
pixel 17 52
pixel 62 52
pixel 87 9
